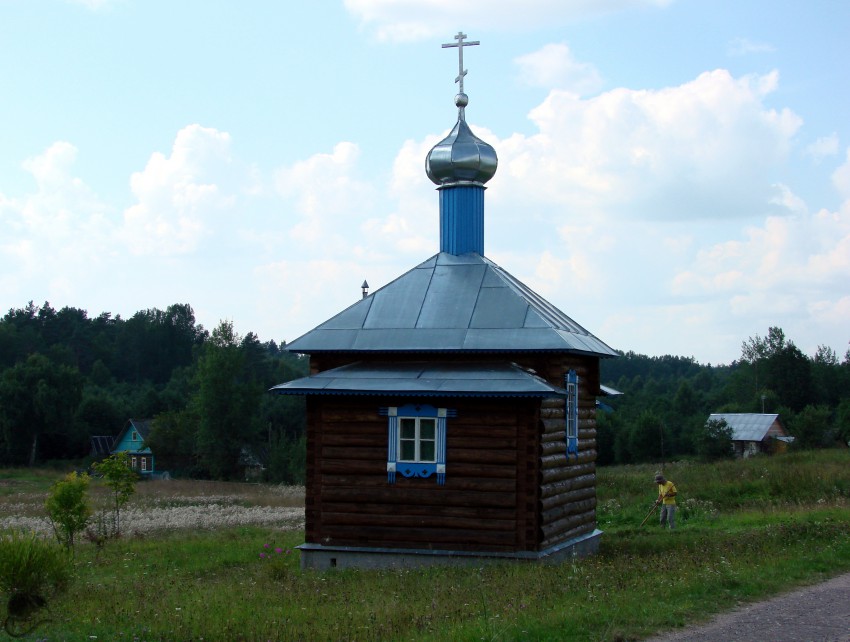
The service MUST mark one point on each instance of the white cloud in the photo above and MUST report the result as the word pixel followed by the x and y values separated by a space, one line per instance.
pixel 405 20
pixel 744 46
pixel 706 149
pixel 96 5
pixel 823 147
pixel 55 234
pixel 841 178
pixel 553 66
pixel 177 195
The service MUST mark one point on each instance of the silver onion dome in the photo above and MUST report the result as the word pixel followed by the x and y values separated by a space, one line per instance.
pixel 461 157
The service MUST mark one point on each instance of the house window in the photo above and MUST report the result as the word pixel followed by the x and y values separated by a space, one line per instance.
pixel 144 464
pixel 134 436
pixel 572 413
pixel 134 463
pixel 416 441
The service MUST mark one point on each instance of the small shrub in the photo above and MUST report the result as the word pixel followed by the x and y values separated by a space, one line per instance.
pixel 121 479
pixel 68 507
pixel 31 570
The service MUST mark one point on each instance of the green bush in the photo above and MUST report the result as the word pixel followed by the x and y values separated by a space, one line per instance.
pixel 68 507
pixel 31 570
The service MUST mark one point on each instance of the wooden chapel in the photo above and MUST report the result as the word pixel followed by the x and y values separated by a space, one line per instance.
pixel 450 413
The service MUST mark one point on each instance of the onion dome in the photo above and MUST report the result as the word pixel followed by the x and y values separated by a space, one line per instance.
pixel 461 157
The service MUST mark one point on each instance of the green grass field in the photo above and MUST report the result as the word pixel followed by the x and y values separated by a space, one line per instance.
pixel 748 529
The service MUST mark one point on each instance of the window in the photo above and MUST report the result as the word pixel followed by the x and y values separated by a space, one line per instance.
pixel 134 436
pixel 133 463
pixel 572 413
pixel 144 464
pixel 416 441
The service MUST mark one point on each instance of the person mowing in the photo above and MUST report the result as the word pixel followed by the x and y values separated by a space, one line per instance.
pixel 667 499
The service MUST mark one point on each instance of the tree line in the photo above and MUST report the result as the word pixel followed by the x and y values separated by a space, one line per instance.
pixel 65 377
pixel 663 412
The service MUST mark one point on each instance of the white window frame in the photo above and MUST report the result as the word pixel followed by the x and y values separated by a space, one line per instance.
pixel 417 439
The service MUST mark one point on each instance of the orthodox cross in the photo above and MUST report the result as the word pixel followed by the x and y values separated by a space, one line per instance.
pixel 460 44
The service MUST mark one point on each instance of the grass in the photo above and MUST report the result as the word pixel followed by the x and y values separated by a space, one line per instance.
pixel 753 528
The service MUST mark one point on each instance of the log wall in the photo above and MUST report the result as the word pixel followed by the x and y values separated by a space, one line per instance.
pixel 567 485
pixel 489 500
pixel 509 485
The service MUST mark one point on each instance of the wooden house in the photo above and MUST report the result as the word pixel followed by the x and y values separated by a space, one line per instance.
pixel 754 433
pixel 131 440
pixel 451 413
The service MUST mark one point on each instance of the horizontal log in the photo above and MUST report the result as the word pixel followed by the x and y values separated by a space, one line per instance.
pixel 559 487
pixel 476 512
pixel 552 402
pixel 553 447
pixel 348 415
pixel 553 413
pixel 416 537
pixel 454 481
pixel 436 520
pixel 348 439
pixel 567 524
pixel 481 455
pixel 352 466
pixel 563 511
pixel 553 425
pixel 550 475
pixel 559 459
pixel 557 538
pixel 573 495
pixel 433 495
pixel 373 453
pixel 457 439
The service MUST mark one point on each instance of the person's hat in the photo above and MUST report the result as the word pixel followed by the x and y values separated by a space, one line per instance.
pixel 659 476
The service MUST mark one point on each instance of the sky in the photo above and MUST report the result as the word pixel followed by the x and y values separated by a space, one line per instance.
pixel 673 174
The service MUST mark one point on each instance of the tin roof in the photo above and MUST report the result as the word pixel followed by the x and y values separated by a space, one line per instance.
pixel 746 426
pixel 452 303
pixel 423 379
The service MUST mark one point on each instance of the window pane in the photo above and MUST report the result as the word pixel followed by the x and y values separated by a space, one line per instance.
pixel 427 428
pixel 408 451
pixel 426 451
pixel 407 428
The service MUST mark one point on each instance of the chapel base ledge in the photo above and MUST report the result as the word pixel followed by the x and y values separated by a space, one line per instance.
pixel 323 557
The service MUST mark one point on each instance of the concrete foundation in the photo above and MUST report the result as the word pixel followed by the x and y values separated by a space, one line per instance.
pixel 319 557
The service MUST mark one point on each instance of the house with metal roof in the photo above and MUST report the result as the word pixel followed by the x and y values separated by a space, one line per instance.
pixel 450 413
pixel 754 433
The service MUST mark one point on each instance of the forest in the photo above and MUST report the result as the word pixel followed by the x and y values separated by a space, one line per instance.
pixel 65 377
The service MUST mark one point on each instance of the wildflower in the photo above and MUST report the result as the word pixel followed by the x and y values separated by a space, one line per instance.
pixel 278 551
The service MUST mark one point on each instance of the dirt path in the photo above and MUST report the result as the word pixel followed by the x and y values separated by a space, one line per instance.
pixel 817 613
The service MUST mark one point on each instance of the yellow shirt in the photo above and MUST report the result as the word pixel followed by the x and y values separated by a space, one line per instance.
pixel 668 491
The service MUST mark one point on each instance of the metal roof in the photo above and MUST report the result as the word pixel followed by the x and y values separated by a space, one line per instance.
pixel 452 303
pixel 423 379
pixel 746 426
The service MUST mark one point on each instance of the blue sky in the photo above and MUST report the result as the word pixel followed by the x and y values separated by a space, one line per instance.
pixel 673 174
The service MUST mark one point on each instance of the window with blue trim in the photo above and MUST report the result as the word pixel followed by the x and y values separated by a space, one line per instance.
pixel 572 413
pixel 416 441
